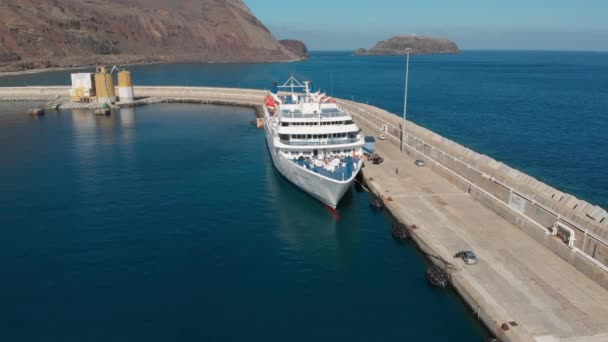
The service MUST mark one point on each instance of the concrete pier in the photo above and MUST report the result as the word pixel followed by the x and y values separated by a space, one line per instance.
pixel 517 279
pixel 542 273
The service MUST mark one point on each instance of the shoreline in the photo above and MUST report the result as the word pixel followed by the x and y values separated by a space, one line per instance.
pixel 56 69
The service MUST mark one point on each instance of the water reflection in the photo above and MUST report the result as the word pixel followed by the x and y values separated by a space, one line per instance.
pixel 127 124
pixel 99 135
pixel 84 139
pixel 106 124
pixel 127 117
pixel 306 226
pixel 83 121
pixel 127 148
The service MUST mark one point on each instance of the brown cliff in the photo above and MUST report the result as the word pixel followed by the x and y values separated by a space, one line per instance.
pixel 64 33
pixel 295 46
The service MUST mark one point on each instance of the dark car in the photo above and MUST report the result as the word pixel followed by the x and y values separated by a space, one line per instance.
pixel 377 159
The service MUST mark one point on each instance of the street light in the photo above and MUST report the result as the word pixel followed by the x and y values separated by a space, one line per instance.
pixel 407 71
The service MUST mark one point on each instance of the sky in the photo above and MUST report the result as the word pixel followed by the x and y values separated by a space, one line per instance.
pixel 472 24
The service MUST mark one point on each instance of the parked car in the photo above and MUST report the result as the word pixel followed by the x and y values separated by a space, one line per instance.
pixel 377 159
pixel 419 162
pixel 468 257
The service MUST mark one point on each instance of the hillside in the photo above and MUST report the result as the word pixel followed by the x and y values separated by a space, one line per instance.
pixel 295 46
pixel 63 33
pixel 419 44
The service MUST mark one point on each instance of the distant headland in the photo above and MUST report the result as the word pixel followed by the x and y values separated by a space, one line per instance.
pixel 419 44
pixel 296 47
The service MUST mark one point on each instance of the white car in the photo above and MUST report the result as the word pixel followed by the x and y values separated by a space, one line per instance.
pixel 419 162
pixel 468 257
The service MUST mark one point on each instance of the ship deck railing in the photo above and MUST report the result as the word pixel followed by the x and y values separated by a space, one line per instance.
pixel 297 114
pixel 321 142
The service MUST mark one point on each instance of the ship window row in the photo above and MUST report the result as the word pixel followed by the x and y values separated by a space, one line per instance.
pixel 323 136
pixel 308 153
pixel 329 123
pixel 324 123
pixel 295 153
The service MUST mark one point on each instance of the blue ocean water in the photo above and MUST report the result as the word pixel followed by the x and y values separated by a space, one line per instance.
pixel 169 223
pixel 542 112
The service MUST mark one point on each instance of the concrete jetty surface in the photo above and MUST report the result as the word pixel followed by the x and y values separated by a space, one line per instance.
pixel 536 280
pixel 516 279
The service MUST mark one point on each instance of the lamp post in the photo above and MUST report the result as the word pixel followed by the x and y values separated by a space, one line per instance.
pixel 407 71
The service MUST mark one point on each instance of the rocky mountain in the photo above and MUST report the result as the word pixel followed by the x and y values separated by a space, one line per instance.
pixel 295 46
pixel 64 33
pixel 419 45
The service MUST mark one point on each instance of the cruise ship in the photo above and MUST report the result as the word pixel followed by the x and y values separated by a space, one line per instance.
pixel 313 142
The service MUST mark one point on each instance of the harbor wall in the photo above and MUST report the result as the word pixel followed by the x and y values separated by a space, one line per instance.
pixel 145 95
pixel 33 93
pixel 531 205
pixel 249 96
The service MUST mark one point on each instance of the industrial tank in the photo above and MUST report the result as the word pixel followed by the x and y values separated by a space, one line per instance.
pixel 104 86
pixel 125 86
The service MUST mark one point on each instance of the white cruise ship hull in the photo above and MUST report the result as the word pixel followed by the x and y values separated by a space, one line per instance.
pixel 326 190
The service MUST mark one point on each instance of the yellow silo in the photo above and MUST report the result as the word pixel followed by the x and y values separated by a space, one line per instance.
pixel 125 86
pixel 104 86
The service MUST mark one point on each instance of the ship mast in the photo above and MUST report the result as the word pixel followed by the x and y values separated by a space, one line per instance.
pixel 292 84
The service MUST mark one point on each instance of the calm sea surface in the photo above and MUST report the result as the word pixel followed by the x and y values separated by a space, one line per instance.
pixel 168 222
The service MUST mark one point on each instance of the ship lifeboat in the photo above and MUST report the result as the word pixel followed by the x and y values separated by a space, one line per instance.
pixel 327 99
pixel 271 104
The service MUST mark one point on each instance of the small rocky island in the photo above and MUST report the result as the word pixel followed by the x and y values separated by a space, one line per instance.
pixel 419 44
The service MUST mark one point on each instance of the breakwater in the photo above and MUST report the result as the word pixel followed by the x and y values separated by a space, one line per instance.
pixel 541 210
pixel 450 216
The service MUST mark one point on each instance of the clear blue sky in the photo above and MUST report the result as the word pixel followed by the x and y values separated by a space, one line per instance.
pixel 473 24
